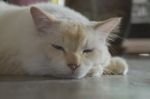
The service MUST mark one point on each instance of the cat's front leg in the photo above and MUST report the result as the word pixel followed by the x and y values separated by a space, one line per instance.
pixel 96 71
pixel 117 66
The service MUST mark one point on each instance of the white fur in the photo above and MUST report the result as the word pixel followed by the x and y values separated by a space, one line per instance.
pixel 18 34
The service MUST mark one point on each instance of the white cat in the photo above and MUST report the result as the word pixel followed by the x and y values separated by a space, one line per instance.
pixel 46 39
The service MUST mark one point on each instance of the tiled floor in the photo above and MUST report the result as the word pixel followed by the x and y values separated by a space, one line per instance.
pixel 136 85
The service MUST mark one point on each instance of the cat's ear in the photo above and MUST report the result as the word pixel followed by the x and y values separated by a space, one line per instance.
pixel 107 26
pixel 42 20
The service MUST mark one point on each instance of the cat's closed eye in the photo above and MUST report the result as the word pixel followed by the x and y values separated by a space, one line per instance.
pixel 87 50
pixel 58 47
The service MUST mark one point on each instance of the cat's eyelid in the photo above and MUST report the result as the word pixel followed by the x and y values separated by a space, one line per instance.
pixel 88 50
pixel 58 47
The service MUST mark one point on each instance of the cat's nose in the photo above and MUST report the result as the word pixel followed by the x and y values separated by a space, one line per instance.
pixel 73 67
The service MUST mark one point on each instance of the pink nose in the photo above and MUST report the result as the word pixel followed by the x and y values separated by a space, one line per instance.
pixel 73 67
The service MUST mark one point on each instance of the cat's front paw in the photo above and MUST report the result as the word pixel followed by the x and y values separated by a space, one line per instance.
pixel 117 66
pixel 96 71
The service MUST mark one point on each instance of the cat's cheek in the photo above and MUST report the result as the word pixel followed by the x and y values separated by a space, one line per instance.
pixel 59 70
pixel 101 56
pixel 54 53
pixel 81 73
pixel 85 67
pixel 94 57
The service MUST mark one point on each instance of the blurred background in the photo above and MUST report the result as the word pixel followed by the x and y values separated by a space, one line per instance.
pixel 134 34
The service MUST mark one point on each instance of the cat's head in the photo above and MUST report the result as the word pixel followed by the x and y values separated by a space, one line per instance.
pixel 71 47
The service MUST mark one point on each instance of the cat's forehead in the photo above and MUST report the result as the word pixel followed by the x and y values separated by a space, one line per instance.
pixel 74 34
pixel 74 30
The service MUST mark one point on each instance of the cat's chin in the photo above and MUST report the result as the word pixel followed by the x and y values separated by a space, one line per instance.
pixel 69 76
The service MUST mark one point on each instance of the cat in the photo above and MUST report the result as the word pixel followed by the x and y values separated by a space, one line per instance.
pixel 46 39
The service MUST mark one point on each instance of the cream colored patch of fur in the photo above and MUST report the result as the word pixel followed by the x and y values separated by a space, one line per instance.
pixel 117 66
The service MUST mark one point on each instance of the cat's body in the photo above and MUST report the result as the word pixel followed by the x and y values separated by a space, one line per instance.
pixel 49 41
